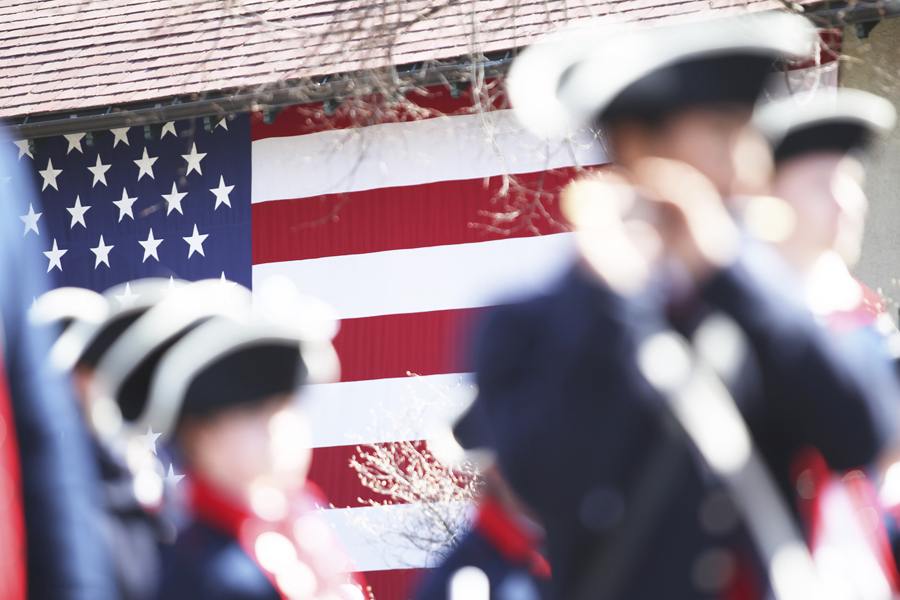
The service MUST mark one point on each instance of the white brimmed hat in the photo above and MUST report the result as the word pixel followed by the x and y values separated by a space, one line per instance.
pixel 76 311
pixel 840 120
pixel 85 340
pixel 118 389
pixel 580 75
pixel 221 364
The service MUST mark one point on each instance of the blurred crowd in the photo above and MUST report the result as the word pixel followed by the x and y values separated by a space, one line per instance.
pixel 705 405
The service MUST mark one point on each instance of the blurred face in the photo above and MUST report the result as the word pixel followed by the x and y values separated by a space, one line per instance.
pixel 825 191
pixel 712 140
pixel 264 445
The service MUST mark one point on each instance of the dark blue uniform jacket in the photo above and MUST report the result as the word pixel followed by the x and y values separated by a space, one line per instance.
pixel 574 420
pixel 207 564
pixel 66 556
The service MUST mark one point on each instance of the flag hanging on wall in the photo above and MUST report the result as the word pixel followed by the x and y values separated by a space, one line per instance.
pixel 393 224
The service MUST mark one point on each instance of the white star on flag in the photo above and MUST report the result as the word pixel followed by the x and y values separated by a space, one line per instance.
pixel 77 213
pixel 171 282
pixel 102 253
pixel 31 220
pixel 127 300
pixel 168 128
pixel 125 205
pixel 193 160
pixel 150 245
pixel 50 174
pixel 174 199
pixel 173 479
pixel 223 123
pixel 222 192
pixel 120 135
pixel 196 242
pixel 74 140
pixel 99 170
pixel 225 283
pixel 146 165
pixel 54 256
pixel 149 439
pixel 24 149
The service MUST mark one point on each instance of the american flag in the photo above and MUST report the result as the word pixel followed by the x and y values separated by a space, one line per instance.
pixel 390 223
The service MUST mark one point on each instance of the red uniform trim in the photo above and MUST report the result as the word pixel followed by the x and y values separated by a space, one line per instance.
pixel 213 508
pixel 13 578
pixel 508 536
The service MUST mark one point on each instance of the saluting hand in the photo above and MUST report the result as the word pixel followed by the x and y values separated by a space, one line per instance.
pixel 690 217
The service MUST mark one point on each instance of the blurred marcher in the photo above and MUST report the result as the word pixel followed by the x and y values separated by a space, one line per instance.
pixel 818 141
pixel 66 558
pixel 505 542
pixel 133 523
pixel 580 434
pixel 221 390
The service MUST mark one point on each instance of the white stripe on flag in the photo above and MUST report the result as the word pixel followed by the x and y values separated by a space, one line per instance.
pixel 375 535
pixel 401 154
pixel 385 410
pixel 428 279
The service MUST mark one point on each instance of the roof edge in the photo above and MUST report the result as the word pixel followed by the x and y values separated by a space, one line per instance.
pixel 261 97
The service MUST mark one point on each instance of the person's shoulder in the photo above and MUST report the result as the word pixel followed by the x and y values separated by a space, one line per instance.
pixel 531 309
pixel 472 551
pixel 207 564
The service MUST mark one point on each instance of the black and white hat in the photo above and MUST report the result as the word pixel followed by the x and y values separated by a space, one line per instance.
pixel 126 302
pixel 87 338
pixel 221 364
pixel 122 377
pixel 587 75
pixel 839 120
pixel 228 362
pixel 75 310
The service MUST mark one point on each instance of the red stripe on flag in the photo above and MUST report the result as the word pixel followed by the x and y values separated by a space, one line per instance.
pixel 416 216
pixel 397 584
pixel 303 119
pixel 829 50
pixel 426 343
pixel 331 471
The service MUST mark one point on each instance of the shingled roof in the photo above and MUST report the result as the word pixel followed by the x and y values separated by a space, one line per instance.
pixel 70 55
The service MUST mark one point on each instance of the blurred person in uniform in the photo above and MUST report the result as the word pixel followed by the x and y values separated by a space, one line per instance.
pixel 506 539
pixel 819 142
pixel 579 433
pixel 221 389
pixel 47 471
pixel 131 481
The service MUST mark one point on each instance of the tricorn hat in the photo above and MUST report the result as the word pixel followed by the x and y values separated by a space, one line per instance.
pixel 839 120
pixel 125 302
pixel 221 364
pixel 77 311
pixel 582 75
pixel 118 390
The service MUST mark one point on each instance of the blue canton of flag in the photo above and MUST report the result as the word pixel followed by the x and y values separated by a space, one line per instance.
pixel 176 205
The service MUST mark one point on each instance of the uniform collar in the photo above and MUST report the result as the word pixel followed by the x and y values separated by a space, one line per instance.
pixel 214 508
